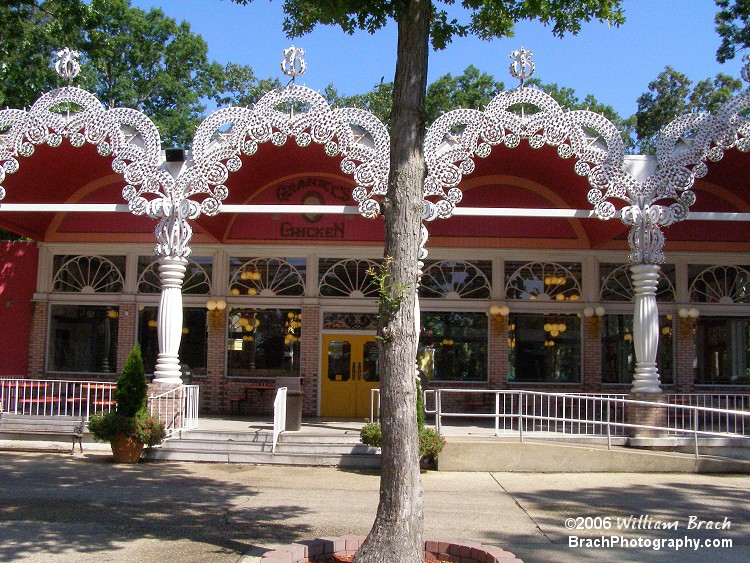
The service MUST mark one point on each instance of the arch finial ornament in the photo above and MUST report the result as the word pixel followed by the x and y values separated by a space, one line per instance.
pixel 459 136
pixel 127 135
pixel 297 112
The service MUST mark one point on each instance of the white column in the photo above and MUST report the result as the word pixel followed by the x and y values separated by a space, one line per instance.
pixel 169 329
pixel 645 328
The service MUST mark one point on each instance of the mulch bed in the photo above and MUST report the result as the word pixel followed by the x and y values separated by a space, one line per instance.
pixel 350 558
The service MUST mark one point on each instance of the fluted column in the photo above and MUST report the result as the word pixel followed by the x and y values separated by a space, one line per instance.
pixel 169 331
pixel 645 328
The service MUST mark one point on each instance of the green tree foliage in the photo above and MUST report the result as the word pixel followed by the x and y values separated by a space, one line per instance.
pixel 473 89
pixel 237 85
pixel 670 95
pixel 732 26
pixel 131 390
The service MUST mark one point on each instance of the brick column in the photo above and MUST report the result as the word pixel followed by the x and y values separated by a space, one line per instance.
pixel 592 354
pixel 38 339
pixel 126 334
pixel 310 359
pixel 684 358
pixel 498 352
pixel 213 387
pixel 654 414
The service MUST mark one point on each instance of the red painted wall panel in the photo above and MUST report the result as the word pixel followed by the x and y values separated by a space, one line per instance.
pixel 18 269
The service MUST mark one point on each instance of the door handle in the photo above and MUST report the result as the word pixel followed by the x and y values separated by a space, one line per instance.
pixel 359 364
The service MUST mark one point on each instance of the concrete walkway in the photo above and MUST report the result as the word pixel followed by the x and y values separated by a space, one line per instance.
pixel 83 508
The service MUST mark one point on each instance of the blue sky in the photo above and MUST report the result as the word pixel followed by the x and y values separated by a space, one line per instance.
pixel 614 64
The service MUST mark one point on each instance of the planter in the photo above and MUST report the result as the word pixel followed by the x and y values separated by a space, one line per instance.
pixel 342 548
pixel 126 450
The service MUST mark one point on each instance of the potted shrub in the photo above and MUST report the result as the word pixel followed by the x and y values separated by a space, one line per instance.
pixel 129 427
pixel 431 442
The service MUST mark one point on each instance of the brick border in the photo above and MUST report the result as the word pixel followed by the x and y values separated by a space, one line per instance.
pixel 308 551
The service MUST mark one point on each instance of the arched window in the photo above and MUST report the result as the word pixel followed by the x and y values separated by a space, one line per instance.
pixel 88 274
pixel 544 281
pixel 454 279
pixel 617 284
pixel 197 279
pixel 347 278
pixel 267 277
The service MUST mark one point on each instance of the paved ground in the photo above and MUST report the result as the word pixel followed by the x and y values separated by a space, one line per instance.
pixel 83 508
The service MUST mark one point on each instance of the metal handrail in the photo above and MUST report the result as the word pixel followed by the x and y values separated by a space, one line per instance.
pixel 56 397
pixel 597 414
pixel 177 409
pixel 279 415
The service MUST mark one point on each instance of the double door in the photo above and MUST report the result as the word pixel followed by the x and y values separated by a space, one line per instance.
pixel 350 371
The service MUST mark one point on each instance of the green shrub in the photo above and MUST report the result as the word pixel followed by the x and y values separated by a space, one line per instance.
pixel 143 427
pixel 371 435
pixel 431 442
pixel 131 390
pixel 131 417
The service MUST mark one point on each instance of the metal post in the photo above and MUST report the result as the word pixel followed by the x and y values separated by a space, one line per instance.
pixel 497 413
pixel 609 429
pixel 695 431
pixel 438 409
pixel 520 417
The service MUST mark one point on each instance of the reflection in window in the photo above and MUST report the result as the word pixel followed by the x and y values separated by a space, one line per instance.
pixel 453 346
pixel 193 344
pixel 83 339
pixel 723 351
pixel 618 353
pixel 264 342
pixel 544 348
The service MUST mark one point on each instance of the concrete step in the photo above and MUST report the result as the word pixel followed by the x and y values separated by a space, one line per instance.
pixel 470 454
pixel 267 436
pixel 358 460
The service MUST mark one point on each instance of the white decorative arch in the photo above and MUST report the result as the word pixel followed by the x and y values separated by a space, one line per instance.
pixel 127 135
pixel 297 112
pixel 459 136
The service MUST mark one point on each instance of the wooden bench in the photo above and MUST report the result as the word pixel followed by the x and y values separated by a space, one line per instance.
pixel 44 426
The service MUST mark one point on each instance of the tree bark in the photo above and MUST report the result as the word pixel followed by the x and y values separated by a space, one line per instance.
pixel 396 535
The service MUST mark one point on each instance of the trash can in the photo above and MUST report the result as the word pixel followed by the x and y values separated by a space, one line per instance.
pixel 187 374
pixel 293 410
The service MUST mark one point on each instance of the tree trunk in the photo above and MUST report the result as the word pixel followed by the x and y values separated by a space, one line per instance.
pixel 396 535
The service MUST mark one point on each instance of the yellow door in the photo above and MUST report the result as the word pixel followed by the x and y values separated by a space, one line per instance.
pixel 350 371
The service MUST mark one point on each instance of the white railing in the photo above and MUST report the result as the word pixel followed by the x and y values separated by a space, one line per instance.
pixel 374 404
pixel 708 420
pixel 177 409
pixel 279 415
pixel 558 415
pixel 54 397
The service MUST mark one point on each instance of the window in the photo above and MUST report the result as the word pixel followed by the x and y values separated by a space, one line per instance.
pixel 723 351
pixel 88 274
pixel 197 280
pixel 543 281
pixel 83 339
pixel 544 348
pixel 263 342
pixel 193 344
pixel 267 277
pixel 618 353
pixel 453 346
